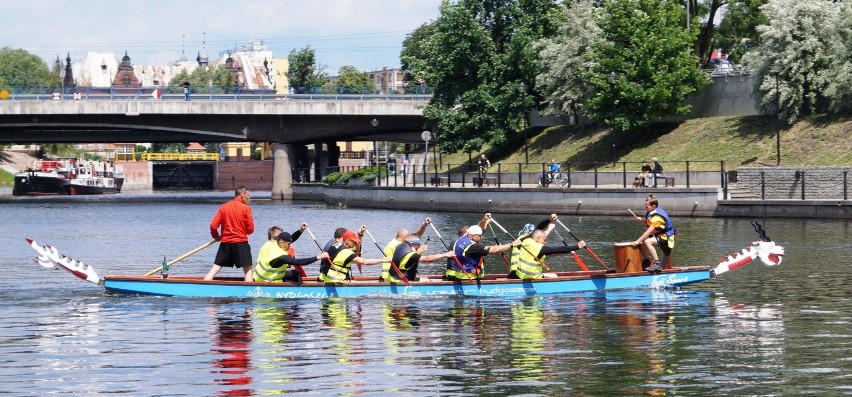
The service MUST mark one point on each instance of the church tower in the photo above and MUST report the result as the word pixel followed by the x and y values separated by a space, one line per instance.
pixel 202 58
pixel 68 80
pixel 125 77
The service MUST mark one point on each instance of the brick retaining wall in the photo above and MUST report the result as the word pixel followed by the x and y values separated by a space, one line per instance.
pixel 255 175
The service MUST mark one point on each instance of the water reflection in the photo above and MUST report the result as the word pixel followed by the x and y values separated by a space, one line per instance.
pixel 232 343
pixel 760 331
pixel 343 320
pixel 527 340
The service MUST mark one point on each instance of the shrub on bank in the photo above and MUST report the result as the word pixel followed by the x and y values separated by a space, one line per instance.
pixel 365 174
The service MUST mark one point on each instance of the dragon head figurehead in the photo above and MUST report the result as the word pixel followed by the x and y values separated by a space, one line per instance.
pixel 769 253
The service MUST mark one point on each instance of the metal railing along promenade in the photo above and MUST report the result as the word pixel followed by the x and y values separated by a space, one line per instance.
pixel 595 175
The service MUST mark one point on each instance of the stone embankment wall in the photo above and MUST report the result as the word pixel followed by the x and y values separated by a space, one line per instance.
pixel 796 183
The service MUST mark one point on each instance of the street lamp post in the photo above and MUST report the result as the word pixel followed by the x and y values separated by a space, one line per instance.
pixel 612 77
pixel 375 124
pixel 777 67
pixel 522 88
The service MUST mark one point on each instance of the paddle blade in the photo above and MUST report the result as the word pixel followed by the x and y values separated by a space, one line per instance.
pixel 579 261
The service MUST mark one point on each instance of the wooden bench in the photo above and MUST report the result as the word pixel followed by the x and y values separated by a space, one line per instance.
pixel 669 181
pixel 439 181
pixel 488 180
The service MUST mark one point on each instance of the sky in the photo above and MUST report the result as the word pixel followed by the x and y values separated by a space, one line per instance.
pixel 367 34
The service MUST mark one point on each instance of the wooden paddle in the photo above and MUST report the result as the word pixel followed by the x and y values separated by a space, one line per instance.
pixel 638 219
pixel 182 257
pixel 496 241
pixel 537 259
pixel 439 236
pixel 455 259
pixel 588 249
pixel 576 257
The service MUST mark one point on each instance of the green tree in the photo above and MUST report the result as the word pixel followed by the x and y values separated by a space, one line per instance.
pixel 738 30
pixel 54 78
pixel 566 56
pixel 58 149
pixel 478 54
pixel 352 81
pixel 645 44
pixel 22 70
pixel 202 79
pixel 304 75
pixel 705 12
pixel 415 54
pixel 805 36
pixel 839 89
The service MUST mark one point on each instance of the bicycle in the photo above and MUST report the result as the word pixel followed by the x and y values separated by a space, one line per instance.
pixel 559 179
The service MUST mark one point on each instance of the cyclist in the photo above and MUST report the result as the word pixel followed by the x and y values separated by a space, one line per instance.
pixel 554 170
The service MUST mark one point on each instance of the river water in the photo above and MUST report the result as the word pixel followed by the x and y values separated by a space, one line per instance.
pixel 784 330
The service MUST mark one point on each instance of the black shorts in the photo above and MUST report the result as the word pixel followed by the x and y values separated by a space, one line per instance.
pixel 233 255
pixel 664 246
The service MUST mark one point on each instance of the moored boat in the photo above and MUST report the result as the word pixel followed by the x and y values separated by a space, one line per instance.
pixel 68 176
pixel 44 177
pixel 493 285
pixel 93 177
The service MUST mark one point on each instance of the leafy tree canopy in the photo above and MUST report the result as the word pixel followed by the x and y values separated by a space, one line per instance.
pixel 645 45
pixel 737 32
pixel 566 55
pixel 202 78
pixel 474 56
pixel 54 78
pixel 304 75
pixel 811 39
pixel 352 81
pixel 20 69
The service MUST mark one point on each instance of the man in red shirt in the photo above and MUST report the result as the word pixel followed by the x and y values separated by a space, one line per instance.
pixel 236 222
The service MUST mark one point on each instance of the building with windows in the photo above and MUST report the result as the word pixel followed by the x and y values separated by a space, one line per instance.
pixel 388 81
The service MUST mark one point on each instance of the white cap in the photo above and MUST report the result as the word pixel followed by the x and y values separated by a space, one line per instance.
pixel 475 229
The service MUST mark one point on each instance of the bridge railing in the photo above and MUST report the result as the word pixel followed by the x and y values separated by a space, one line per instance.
pixel 179 156
pixel 208 94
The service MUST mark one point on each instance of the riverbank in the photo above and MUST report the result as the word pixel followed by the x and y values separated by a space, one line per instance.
pixel 688 202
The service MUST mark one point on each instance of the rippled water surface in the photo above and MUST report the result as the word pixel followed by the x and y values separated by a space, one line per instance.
pixel 785 330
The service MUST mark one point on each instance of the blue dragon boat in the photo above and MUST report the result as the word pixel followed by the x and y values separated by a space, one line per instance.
pixel 492 285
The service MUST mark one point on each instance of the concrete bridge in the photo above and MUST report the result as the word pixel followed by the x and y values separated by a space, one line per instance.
pixel 279 120
pixel 290 121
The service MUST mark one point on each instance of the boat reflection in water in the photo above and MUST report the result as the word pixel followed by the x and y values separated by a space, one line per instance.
pixel 232 343
pixel 527 340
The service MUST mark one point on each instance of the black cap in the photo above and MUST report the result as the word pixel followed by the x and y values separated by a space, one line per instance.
pixel 283 236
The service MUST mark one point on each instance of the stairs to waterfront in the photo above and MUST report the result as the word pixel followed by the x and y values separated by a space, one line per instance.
pixel 735 193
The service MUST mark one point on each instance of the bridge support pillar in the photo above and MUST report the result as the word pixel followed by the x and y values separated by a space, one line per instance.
pixel 282 176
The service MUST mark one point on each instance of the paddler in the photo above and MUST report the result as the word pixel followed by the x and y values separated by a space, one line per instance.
pixel 391 246
pixel 408 255
pixel 236 223
pixel 469 253
pixel 342 255
pixel 274 264
pixel 661 232
pixel 527 259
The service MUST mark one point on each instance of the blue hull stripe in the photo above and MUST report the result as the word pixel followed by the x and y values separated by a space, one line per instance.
pixel 194 287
